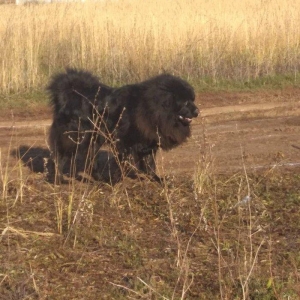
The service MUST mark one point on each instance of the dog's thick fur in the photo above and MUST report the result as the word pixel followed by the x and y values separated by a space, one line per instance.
pixel 158 114
pixel 78 104
pixel 143 116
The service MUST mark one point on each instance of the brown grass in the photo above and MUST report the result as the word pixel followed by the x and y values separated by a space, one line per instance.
pixel 195 237
pixel 138 240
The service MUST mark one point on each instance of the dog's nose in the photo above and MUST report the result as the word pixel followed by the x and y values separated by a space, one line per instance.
pixel 196 112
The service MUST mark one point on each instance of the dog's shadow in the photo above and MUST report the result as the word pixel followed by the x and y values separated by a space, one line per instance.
pixel 38 160
pixel 32 157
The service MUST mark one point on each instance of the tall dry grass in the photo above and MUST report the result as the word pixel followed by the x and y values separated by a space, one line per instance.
pixel 129 40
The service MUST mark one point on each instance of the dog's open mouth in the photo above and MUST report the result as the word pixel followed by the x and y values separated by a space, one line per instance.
pixel 184 120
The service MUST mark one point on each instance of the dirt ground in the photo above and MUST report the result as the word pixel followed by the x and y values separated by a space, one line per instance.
pixel 256 130
pixel 224 235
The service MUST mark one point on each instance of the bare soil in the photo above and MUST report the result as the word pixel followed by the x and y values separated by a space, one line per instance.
pixel 257 130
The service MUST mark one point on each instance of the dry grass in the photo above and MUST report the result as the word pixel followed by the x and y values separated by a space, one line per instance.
pixel 126 41
pixel 190 239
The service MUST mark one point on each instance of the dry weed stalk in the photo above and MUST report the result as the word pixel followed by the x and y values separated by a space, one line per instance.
pixel 247 258
pixel 79 191
pixel 182 260
pixel 6 174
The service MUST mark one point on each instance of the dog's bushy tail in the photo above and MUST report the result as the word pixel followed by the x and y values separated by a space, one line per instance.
pixel 73 85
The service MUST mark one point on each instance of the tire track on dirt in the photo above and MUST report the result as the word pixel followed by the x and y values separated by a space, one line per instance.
pixel 205 112
pixel 263 133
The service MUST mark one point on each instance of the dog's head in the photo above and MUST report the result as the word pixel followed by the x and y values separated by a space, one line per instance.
pixel 172 107
pixel 179 100
pixel 187 110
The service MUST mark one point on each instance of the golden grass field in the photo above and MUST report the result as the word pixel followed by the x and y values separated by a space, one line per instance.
pixel 125 41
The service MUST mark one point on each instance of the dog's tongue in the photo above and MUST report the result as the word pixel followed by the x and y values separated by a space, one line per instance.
pixel 187 120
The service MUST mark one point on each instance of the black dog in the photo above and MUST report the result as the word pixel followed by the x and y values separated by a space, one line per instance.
pixel 139 118
pixel 79 109
pixel 158 113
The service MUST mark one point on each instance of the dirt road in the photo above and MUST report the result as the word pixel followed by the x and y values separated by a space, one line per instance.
pixel 258 130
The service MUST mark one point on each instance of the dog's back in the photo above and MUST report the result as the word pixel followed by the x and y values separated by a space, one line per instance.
pixel 70 91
